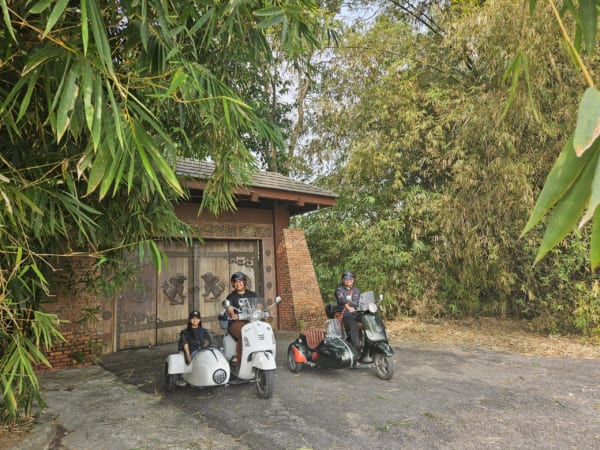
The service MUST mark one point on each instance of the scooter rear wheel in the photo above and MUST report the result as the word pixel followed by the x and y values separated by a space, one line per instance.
pixel 295 367
pixel 265 381
pixel 170 379
pixel 384 366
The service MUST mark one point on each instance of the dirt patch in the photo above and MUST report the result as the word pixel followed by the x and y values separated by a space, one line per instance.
pixel 493 334
pixel 13 433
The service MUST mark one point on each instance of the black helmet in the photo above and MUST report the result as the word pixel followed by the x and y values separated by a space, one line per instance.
pixel 195 313
pixel 238 276
pixel 347 273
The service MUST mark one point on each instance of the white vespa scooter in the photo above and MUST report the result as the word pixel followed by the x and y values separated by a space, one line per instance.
pixel 258 347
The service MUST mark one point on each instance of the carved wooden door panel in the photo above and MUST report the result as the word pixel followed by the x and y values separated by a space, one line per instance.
pixel 136 311
pixel 212 271
pixel 215 263
pixel 175 295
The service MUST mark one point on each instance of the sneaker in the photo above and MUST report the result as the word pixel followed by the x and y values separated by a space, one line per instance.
pixel 180 383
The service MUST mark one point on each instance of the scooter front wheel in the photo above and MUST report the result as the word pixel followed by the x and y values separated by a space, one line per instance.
pixel 265 381
pixel 384 366
pixel 295 367
pixel 170 379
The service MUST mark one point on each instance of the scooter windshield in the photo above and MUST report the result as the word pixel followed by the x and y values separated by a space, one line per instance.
pixel 366 298
pixel 249 303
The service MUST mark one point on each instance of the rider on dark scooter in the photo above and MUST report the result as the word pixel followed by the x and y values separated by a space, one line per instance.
pixel 348 298
pixel 240 300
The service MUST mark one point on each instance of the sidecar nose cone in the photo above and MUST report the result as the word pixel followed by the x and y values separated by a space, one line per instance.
pixel 219 376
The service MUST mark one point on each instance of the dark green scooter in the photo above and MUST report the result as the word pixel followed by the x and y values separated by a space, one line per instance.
pixel 331 350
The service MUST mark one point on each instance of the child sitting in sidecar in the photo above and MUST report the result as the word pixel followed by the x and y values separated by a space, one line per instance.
pixel 194 338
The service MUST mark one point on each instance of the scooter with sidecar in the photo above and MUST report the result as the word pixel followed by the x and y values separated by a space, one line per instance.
pixel 331 350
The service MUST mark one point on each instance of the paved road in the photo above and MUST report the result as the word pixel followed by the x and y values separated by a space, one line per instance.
pixel 439 398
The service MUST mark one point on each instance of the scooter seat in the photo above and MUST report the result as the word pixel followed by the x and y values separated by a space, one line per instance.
pixel 313 337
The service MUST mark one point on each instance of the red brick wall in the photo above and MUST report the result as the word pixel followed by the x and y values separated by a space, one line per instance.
pixel 302 306
pixel 68 302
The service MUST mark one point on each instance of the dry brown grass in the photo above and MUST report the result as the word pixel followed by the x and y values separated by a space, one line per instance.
pixel 492 334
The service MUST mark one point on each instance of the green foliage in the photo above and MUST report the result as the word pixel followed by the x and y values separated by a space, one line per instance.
pixel 436 176
pixel 572 184
pixel 97 102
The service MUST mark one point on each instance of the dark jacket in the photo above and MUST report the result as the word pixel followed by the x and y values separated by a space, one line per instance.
pixel 196 338
pixel 341 292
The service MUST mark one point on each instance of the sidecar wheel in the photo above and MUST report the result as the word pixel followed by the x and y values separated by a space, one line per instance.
pixel 265 381
pixel 384 366
pixel 294 366
pixel 170 379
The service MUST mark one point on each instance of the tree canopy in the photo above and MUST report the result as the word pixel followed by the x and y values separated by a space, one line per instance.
pixel 440 155
pixel 97 101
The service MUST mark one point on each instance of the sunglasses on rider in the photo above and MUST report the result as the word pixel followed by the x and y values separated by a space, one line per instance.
pixel 348 278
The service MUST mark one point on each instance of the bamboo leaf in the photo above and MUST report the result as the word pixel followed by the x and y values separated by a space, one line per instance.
pixel 85 28
pixel 41 56
pixel 57 11
pixel 98 169
pixel 567 211
pixel 587 15
pixel 118 127
pixel 564 173
pixel 40 6
pixel 595 196
pixel 99 33
pixel 595 241
pixel 6 17
pixel 109 176
pixel 588 121
pixel 144 35
pixel 178 79
pixel 271 21
pixel 67 103
pixel 514 70
pixel 98 107
pixel 87 87
pixel 31 83
pixel 271 11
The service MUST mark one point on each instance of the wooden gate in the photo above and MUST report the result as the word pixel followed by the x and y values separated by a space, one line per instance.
pixel 155 308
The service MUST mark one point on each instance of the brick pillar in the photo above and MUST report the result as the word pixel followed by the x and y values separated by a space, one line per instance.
pixel 302 306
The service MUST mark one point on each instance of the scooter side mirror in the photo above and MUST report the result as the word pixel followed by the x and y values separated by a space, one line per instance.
pixel 275 302
pixel 226 303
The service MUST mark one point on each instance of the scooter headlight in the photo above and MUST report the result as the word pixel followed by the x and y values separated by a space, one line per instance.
pixel 219 376
pixel 257 314
pixel 372 308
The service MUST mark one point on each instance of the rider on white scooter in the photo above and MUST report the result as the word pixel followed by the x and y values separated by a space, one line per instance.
pixel 240 300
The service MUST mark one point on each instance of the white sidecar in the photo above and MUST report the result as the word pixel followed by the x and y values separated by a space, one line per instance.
pixel 208 368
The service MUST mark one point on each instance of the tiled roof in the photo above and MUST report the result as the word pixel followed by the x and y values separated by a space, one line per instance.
pixel 203 170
